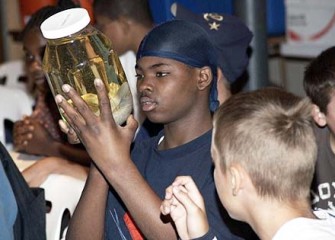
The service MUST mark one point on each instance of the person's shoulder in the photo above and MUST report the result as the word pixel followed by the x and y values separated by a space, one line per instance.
pixel 321 227
pixel 321 133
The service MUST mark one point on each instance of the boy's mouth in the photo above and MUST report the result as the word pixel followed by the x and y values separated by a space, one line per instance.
pixel 39 80
pixel 147 104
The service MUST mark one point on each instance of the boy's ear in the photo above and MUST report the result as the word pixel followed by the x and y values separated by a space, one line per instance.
pixel 240 179
pixel 125 23
pixel 318 116
pixel 205 77
pixel 236 178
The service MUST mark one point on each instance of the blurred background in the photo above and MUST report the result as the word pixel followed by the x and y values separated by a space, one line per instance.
pixel 287 33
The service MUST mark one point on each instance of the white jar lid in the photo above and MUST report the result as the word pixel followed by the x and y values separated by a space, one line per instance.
pixel 65 23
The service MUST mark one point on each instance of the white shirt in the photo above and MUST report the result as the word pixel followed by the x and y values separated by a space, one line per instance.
pixel 128 61
pixel 322 228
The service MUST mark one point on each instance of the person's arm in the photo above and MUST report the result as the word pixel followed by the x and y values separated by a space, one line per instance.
pixel 38 172
pixel 109 147
pixel 184 203
pixel 88 219
pixel 141 201
pixel 72 153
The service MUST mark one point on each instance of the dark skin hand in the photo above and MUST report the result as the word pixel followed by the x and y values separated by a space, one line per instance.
pixel 115 164
pixel 94 131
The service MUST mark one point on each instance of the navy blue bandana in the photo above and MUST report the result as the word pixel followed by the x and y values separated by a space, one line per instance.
pixel 185 42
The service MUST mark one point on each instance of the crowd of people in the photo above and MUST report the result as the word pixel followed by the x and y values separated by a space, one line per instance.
pixel 193 161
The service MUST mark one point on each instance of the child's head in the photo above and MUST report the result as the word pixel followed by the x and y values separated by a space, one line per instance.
pixel 231 38
pixel 229 34
pixel 114 17
pixel 187 45
pixel 319 85
pixel 34 45
pixel 269 134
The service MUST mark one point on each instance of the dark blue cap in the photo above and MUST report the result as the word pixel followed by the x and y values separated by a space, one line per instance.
pixel 229 34
pixel 186 42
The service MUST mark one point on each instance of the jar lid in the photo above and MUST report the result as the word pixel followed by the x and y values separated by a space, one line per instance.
pixel 65 23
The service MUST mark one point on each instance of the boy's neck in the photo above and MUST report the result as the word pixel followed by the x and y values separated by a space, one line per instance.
pixel 177 134
pixel 272 215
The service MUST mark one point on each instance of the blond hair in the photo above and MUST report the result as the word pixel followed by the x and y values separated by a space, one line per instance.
pixel 269 132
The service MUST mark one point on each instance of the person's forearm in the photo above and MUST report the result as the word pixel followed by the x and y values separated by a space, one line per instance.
pixel 69 152
pixel 142 202
pixel 88 219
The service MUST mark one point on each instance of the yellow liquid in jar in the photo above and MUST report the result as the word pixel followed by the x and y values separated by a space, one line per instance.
pixel 120 101
pixel 80 60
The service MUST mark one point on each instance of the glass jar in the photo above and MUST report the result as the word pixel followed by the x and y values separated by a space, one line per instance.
pixel 76 53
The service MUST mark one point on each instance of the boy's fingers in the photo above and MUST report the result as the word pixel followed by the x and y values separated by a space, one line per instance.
pixel 165 207
pixel 187 182
pixel 70 114
pixel 71 134
pixel 104 102
pixel 63 126
pixel 80 110
pixel 168 193
pixel 132 123
pixel 182 180
pixel 184 199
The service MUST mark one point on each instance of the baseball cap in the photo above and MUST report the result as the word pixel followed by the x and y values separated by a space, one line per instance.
pixel 229 35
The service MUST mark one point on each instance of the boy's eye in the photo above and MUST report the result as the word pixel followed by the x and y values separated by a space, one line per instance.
pixel 161 74
pixel 139 77
pixel 29 57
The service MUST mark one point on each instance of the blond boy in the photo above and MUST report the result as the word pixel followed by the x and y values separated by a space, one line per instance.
pixel 264 152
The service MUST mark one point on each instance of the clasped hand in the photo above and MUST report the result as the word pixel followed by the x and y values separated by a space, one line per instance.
pixel 30 136
pixel 186 207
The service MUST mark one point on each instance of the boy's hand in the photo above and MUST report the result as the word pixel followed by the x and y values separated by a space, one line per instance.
pixel 176 209
pixel 107 143
pixel 185 204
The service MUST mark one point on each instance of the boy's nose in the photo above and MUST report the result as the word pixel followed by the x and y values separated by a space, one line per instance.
pixel 34 61
pixel 144 85
pixel 36 64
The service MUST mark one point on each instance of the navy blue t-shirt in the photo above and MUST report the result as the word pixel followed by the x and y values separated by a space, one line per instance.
pixel 160 168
